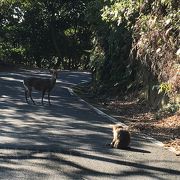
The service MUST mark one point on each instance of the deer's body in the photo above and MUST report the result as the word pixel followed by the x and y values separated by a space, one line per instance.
pixel 40 84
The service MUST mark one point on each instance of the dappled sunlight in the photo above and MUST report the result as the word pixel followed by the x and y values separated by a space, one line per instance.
pixel 121 56
pixel 8 139
pixel 8 112
pixel 10 79
pixel 82 161
pixel 66 135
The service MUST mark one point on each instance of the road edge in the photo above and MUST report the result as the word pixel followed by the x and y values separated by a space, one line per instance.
pixel 115 121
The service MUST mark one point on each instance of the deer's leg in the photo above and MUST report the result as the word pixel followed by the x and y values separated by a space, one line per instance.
pixel 49 97
pixel 30 95
pixel 42 97
pixel 26 93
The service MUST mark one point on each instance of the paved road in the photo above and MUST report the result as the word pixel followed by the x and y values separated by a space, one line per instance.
pixel 67 140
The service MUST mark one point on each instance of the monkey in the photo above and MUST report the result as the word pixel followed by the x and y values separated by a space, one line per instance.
pixel 121 137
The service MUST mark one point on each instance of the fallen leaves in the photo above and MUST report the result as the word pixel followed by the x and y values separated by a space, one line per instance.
pixel 139 118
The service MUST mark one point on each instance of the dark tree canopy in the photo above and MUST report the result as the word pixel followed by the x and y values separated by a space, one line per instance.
pixel 44 33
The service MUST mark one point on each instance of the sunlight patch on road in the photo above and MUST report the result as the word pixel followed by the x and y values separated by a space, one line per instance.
pixel 6 139
pixel 8 112
pixel 4 96
pixel 16 74
pixel 11 79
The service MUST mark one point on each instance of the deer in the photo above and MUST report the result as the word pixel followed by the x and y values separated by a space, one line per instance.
pixel 40 84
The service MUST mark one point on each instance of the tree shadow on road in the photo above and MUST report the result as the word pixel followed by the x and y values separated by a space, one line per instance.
pixel 67 128
pixel 51 154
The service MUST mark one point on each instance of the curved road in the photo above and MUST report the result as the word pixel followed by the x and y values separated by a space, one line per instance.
pixel 67 139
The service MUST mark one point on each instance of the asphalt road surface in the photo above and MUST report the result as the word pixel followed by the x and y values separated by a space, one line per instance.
pixel 67 140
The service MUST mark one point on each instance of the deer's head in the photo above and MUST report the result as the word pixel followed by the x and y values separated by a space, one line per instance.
pixel 54 73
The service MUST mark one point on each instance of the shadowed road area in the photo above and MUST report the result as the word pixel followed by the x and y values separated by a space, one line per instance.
pixel 67 140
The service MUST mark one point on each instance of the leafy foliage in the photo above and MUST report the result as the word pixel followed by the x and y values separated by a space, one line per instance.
pixel 40 29
pixel 139 43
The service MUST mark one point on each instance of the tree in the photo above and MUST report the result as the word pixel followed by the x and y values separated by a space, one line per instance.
pixel 45 31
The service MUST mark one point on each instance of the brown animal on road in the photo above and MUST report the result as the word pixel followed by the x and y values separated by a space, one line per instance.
pixel 40 84
pixel 121 137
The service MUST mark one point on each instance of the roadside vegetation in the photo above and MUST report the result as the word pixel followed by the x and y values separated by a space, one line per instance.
pixel 131 47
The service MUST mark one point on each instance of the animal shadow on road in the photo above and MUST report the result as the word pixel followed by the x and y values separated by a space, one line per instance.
pixel 137 150
pixel 133 149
